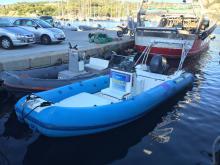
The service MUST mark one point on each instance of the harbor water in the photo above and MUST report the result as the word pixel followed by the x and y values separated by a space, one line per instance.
pixel 180 131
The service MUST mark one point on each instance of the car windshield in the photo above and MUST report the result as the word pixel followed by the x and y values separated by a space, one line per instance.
pixel 50 21
pixel 5 23
pixel 42 23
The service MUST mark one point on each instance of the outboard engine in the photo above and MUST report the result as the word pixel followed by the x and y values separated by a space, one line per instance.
pixel 126 66
pixel 158 64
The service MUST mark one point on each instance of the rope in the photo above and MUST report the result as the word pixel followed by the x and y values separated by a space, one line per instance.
pixel 148 52
pixel 28 98
pixel 145 53
pixel 43 104
pixel 141 55
pixel 33 97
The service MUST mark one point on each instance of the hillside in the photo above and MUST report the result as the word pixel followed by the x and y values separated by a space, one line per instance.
pixel 81 9
pixel 213 9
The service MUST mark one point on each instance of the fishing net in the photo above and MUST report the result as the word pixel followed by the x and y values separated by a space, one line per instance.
pixel 99 38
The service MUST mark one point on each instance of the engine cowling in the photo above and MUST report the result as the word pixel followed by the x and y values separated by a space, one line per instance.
pixel 158 64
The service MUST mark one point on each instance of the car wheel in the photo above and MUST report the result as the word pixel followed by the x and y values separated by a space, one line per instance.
pixel 6 43
pixel 119 33
pixel 45 39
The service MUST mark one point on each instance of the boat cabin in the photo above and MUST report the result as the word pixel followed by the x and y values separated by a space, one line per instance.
pixel 167 26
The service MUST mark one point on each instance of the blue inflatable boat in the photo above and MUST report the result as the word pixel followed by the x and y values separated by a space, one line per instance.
pixel 104 102
pixel 101 103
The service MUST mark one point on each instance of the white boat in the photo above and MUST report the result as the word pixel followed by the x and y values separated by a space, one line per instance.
pixel 165 27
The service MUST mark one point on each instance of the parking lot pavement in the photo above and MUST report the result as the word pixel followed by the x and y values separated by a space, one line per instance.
pixel 37 55
pixel 75 37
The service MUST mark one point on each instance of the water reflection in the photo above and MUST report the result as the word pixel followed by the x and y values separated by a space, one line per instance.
pixel 14 136
pixel 94 149
pixel 162 133
pixel 4 96
pixel 3 159
pixel 97 149
pixel 15 129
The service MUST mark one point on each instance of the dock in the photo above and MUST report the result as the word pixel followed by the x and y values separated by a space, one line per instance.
pixel 36 55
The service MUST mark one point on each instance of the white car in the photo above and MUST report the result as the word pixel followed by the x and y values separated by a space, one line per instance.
pixel 44 32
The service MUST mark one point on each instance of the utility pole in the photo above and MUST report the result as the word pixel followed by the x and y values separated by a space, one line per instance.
pixel 62 8
pixel 116 12
pixel 90 8
pixel 111 9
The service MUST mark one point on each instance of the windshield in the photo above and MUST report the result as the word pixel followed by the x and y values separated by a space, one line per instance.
pixel 5 23
pixel 42 23
pixel 161 14
pixel 48 20
pixel 167 8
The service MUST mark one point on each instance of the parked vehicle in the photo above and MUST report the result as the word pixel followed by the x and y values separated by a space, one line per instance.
pixel 88 28
pixel 44 32
pixel 11 35
pixel 58 24
pixel 124 30
pixel 47 19
pixel 128 29
pixel 70 27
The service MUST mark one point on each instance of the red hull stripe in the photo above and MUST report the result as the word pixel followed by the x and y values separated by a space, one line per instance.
pixel 175 53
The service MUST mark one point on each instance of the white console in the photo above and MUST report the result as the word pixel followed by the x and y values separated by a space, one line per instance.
pixel 121 84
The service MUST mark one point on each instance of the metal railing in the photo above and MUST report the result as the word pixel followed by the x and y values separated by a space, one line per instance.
pixel 146 52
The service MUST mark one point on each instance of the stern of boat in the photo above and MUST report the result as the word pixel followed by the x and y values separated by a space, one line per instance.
pixel 168 44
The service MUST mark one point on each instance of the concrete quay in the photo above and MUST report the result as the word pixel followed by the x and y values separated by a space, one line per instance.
pixel 36 56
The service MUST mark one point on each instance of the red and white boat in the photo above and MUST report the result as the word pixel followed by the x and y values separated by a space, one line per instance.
pixel 168 28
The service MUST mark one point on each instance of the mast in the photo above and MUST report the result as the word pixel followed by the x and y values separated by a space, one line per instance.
pixel 201 15
pixel 62 10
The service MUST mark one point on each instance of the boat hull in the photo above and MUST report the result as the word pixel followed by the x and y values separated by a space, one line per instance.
pixel 21 83
pixel 170 44
pixel 199 46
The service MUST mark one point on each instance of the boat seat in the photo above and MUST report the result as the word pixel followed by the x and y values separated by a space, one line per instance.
pixel 79 100
pixel 97 64
pixel 114 93
pixel 121 84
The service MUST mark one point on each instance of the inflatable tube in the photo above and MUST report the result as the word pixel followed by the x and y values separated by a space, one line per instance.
pixel 24 82
pixel 59 121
